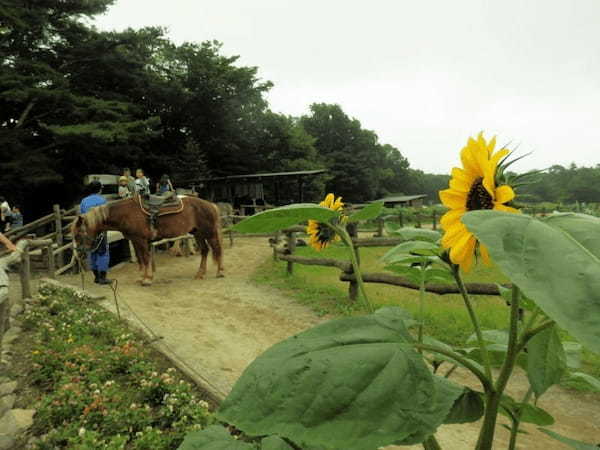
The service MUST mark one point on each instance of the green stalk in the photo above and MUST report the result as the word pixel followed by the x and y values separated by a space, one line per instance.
pixel 475 321
pixel 421 304
pixel 486 434
pixel 514 431
pixel 431 443
pixel 341 231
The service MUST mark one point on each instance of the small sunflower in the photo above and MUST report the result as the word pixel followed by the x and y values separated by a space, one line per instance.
pixel 471 188
pixel 320 234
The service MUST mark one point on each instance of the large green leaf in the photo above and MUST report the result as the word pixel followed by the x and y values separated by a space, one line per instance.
pixel 416 234
pixel 214 437
pixel 577 445
pixel 590 380
pixel 274 443
pixel 410 248
pixel 581 227
pixel 276 219
pixel 550 265
pixel 529 413
pixel 546 360
pixel 469 407
pixel 354 382
pixel 368 212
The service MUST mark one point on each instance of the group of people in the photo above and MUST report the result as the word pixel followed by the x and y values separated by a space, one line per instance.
pixel 10 218
pixel 129 186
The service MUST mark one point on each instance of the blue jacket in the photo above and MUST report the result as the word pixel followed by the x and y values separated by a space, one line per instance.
pixel 91 201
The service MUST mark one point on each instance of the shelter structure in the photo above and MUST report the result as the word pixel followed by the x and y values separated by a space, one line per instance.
pixel 247 192
pixel 403 200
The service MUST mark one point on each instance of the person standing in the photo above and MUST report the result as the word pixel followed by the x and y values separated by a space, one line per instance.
pixel 142 184
pixel 164 185
pixel 4 214
pixel 99 255
pixel 16 218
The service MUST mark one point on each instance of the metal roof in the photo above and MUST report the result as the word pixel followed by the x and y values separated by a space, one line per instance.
pixel 265 175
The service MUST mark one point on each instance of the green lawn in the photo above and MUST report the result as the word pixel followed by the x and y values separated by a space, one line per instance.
pixel 446 317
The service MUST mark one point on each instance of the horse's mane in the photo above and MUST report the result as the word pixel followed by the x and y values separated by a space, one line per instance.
pixel 96 216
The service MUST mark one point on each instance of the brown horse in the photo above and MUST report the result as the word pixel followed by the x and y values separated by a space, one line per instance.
pixel 199 217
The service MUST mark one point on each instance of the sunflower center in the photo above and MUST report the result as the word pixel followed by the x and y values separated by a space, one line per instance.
pixel 325 234
pixel 478 197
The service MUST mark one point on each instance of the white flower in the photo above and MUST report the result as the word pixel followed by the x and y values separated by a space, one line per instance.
pixel 81 432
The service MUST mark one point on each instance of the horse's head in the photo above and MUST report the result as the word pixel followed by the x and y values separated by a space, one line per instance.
pixel 83 236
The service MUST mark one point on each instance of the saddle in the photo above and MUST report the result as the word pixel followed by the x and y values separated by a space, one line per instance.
pixel 160 205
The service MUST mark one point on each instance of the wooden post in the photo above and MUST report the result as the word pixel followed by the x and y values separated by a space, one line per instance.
pixel 291 245
pixel 230 238
pixel 434 220
pixel 401 219
pixel 25 273
pixel 379 227
pixel 418 220
pixel 59 234
pixel 276 239
pixel 49 256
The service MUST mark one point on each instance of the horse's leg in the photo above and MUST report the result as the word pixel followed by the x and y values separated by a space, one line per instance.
pixel 216 246
pixel 143 254
pixel 203 255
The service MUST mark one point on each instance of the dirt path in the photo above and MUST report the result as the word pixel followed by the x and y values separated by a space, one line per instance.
pixel 218 326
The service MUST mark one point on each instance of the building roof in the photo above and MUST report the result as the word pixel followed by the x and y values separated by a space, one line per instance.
pixel 267 175
pixel 401 198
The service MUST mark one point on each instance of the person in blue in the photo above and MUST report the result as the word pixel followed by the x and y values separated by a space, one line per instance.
pixel 164 185
pixel 98 257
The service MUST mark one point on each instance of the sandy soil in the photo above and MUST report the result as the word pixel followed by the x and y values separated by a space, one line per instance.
pixel 218 326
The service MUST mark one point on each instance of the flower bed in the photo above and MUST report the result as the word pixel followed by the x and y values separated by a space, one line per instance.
pixel 98 385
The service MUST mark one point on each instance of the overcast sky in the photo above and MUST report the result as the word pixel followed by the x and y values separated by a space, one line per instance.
pixel 424 75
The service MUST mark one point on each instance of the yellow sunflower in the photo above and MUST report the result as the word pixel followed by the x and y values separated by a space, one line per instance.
pixel 320 234
pixel 473 187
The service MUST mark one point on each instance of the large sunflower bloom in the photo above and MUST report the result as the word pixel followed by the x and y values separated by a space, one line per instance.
pixel 471 188
pixel 320 234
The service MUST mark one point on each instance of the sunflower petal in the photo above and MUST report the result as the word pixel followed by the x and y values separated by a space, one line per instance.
pixel 452 217
pixel 462 252
pixel 453 199
pixel 485 255
pixel 500 207
pixel 504 194
pixel 453 234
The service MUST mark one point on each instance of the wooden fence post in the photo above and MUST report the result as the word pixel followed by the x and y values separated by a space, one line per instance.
pixel 434 220
pixel 401 219
pixel 25 274
pixel 48 253
pixel 418 220
pixel 59 234
pixel 379 227
pixel 276 239
pixel 291 245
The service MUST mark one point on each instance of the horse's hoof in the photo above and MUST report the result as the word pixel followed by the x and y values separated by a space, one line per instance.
pixel 220 275
pixel 146 282
pixel 199 277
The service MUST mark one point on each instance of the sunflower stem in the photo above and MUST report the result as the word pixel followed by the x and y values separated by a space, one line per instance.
pixel 341 231
pixel 421 304
pixel 474 320
pixel 486 435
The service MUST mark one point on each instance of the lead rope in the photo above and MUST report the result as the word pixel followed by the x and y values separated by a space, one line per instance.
pixel 114 286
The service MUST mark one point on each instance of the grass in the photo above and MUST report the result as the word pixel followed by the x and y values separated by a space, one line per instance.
pixel 445 317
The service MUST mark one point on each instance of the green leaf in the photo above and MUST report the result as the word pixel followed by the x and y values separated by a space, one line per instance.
pixel 530 413
pixel 592 381
pixel 573 354
pixel 578 445
pixel 469 407
pixel 551 266
pixel 397 313
pixel 583 229
pixel 420 234
pixel 546 360
pixel 277 219
pixel 439 357
pixel 491 336
pixel 410 248
pixel 368 212
pixel 439 276
pixel 274 443
pixel 214 437
pixel 354 382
